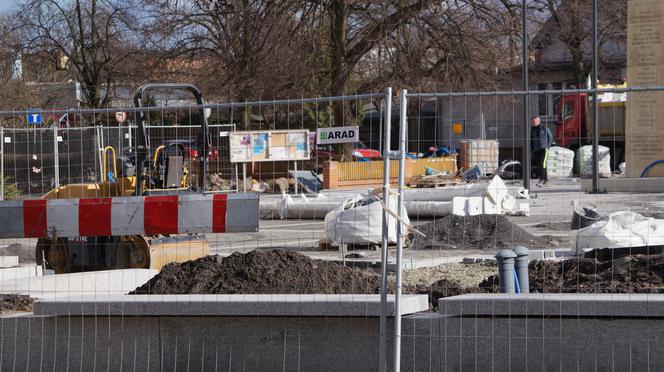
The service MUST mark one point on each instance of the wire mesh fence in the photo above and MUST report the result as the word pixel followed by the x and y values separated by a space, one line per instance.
pixel 294 293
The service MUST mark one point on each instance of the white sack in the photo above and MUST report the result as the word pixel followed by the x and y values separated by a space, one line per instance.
pixel 622 229
pixel 359 220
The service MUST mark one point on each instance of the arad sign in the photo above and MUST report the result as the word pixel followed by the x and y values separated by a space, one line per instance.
pixel 327 136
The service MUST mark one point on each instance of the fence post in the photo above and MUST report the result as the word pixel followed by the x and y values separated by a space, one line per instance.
pixel 595 105
pixel 386 227
pixel 526 101
pixel 2 163
pixel 403 126
pixel 56 155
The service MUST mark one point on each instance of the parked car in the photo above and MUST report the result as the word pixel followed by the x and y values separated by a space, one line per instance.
pixel 360 150
pixel 190 148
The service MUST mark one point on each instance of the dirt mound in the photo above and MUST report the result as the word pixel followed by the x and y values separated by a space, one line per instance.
pixel 275 271
pixel 440 289
pixel 279 271
pixel 474 232
pixel 629 274
pixel 11 303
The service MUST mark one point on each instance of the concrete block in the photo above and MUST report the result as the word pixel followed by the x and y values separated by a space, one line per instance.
pixel 497 190
pixel 490 207
pixel 21 272
pixel 543 254
pixel 459 206
pixel 226 305
pixel 474 205
pixel 8 261
pixel 79 284
pixel 555 305
pixel 523 209
pixel 508 204
pixel 478 258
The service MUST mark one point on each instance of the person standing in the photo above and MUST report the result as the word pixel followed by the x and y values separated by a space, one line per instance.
pixel 541 139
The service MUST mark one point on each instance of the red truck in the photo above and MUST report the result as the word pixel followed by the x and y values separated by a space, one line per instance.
pixel 574 124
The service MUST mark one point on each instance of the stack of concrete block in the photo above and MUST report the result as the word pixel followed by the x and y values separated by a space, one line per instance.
pixel 496 200
pixel 584 161
pixel 560 162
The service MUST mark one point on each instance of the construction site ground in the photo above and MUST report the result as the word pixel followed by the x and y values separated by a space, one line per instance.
pixel 550 216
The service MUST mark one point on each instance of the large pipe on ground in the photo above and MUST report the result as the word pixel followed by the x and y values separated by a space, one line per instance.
pixel 317 209
pixel 425 203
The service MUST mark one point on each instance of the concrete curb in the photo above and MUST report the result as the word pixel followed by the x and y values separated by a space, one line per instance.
pixel 226 305
pixel 554 304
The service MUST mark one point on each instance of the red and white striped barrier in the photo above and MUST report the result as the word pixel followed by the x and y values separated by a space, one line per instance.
pixel 149 215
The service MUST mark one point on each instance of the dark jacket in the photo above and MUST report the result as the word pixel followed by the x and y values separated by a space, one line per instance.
pixel 540 138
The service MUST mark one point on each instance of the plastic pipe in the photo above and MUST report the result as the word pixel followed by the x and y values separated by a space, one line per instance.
pixel 521 268
pixel 505 258
pixel 516 283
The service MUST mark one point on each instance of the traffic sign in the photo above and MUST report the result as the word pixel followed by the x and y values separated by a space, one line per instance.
pixel 34 117
pixel 120 116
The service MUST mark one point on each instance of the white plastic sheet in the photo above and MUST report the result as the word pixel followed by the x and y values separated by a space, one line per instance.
pixel 622 229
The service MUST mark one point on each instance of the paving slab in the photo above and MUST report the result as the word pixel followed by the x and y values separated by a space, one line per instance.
pixel 79 284
pixel 624 184
pixel 21 272
pixel 554 304
pixel 227 305
pixel 8 261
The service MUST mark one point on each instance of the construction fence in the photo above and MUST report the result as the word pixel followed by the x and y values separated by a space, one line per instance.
pixel 294 293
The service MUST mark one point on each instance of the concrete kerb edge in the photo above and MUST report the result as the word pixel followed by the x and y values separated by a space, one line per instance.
pixel 554 304
pixel 226 305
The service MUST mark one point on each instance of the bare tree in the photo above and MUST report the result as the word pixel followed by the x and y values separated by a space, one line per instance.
pixel 250 47
pixel 459 45
pixel 88 37
pixel 570 22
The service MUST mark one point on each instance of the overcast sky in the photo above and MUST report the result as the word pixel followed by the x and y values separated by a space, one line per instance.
pixel 6 5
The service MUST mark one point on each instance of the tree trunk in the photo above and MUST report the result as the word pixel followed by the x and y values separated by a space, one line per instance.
pixel 338 74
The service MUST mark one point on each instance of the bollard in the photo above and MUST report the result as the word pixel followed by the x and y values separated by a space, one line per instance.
pixel 521 267
pixel 505 258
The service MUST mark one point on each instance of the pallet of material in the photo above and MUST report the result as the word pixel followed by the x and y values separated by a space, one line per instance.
pixel 327 245
pixel 481 153
pixel 435 181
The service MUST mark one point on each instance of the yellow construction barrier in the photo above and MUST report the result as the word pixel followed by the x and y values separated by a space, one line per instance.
pixel 446 165
pixel 368 170
pixel 370 173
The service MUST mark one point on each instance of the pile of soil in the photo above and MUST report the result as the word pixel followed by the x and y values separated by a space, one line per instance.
pixel 275 271
pixel 12 303
pixel 628 274
pixel 474 232
pixel 279 271
pixel 440 289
